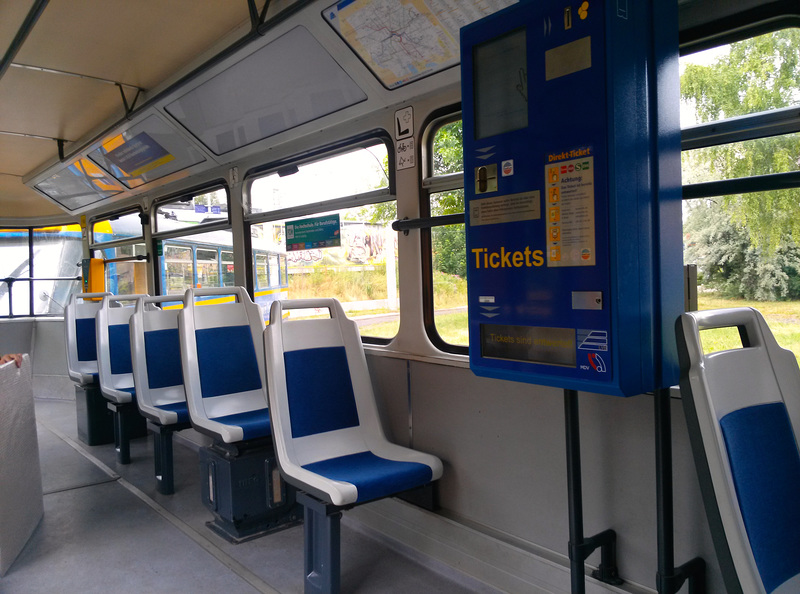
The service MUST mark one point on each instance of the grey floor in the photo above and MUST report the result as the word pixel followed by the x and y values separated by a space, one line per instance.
pixel 107 529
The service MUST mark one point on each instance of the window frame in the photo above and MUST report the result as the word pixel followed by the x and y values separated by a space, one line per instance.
pixel 187 232
pixel 432 184
pixel 94 244
pixel 31 279
pixel 380 195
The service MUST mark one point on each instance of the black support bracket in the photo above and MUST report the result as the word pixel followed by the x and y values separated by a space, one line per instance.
pixel 128 108
pixel 256 19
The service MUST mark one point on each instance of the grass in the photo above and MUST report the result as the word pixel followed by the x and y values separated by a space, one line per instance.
pixel 380 330
pixel 782 317
pixel 359 284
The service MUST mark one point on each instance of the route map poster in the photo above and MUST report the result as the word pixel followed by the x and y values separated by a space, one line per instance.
pixel 403 40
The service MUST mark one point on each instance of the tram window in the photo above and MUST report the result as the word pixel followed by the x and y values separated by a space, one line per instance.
pixel 186 212
pixel 762 156
pixel 56 254
pixel 262 271
pixel 360 272
pixel 197 260
pixel 352 173
pixel 448 248
pixel 178 269
pixel 126 277
pixel 353 260
pixel 284 270
pixel 745 243
pixel 226 259
pixel 207 268
pixel 274 270
pixel 754 75
pixel 123 226
pixel 56 250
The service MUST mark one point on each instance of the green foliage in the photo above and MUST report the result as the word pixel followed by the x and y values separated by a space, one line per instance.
pixel 757 74
pixel 449 250
pixel 346 285
pixel 729 263
pixel 382 213
pixel 448 149
pixel 449 242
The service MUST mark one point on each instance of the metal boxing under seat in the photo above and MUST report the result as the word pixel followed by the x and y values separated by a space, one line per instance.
pixel 743 412
pixel 158 378
pixel 115 370
pixel 222 358
pixel 95 422
pixel 329 441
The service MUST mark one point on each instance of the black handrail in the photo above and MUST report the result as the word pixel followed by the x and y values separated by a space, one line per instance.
pixel 427 222
pixel 10 280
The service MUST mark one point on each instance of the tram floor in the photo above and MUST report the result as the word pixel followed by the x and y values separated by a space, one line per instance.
pixel 107 529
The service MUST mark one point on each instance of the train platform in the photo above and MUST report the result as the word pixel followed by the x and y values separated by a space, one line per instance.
pixel 106 528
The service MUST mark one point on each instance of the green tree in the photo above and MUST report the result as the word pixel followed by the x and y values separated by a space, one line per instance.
pixel 757 74
pixel 449 242
pixel 730 263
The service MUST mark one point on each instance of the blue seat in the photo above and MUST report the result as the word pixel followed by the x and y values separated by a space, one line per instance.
pixel 222 355
pixel 743 412
pixel 329 440
pixel 81 336
pixel 158 379
pixel 115 369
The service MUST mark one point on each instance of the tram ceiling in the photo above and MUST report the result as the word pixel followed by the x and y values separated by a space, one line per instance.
pixel 71 71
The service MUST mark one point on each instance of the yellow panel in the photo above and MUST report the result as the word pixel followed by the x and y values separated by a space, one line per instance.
pixel 97 276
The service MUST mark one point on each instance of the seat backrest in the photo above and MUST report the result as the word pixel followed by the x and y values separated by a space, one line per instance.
pixel 81 336
pixel 743 412
pixel 222 356
pixel 156 359
pixel 321 396
pixel 114 346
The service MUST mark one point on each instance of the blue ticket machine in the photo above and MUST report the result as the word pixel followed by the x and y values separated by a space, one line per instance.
pixel 572 185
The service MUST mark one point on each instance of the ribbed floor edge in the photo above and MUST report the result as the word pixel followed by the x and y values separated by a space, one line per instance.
pixel 478 555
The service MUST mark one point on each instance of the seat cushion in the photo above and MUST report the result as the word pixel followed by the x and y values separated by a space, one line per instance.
pixel 373 476
pixel 254 423
pixel 177 407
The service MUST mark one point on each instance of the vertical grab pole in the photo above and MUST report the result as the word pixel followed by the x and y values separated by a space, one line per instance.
pixel 669 578
pixel 581 547
pixel 574 491
pixel 666 557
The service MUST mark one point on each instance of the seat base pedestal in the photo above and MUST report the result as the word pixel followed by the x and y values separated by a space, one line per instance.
pixel 95 421
pixel 162 458
pixel 128 424
pixel 243 488
pixel 322 546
